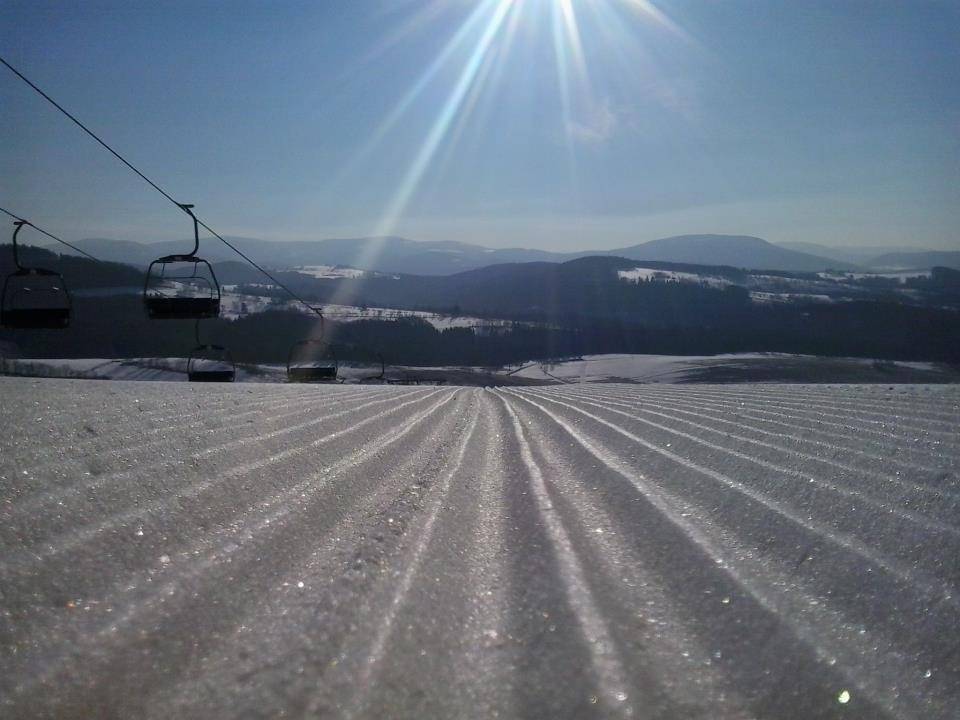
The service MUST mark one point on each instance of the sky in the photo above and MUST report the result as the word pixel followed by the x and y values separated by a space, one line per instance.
pixel 554 124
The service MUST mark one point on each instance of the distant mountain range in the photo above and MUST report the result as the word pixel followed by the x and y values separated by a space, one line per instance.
pixel 741 251
pixel 879 257
pixel 907 260
pixel 400 255
pixel 592 304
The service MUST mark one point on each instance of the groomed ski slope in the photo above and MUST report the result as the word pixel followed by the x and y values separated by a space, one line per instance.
pixel 702 551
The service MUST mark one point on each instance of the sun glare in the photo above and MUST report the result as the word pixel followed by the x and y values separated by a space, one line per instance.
pixel 489 31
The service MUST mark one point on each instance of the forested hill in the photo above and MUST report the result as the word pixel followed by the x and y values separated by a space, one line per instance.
pixel 539 291
pixel 579 307
pixel 78 272
pixel 400 255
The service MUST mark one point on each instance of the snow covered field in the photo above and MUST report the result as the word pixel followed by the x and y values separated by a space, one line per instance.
pixel 767 297
pixel 901 275
pixel 352 313
pixel 235 305
pixel 644 274
pixel 709 551
pixel 164 369
pixel 332 271
pixel 740 367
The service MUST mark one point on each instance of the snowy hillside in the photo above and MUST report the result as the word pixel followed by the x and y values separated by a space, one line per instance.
pixel 608 551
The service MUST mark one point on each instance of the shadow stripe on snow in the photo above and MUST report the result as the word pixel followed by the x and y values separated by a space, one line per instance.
pixel 19 519
pixel 867 400
pixel 70 540
pixel 319 625
pixel 384 627
pixel 36 500
pixel 678 672
pixel 886 505
pixel 937 427
pixel 912 450
pixel 215 550
pixel 705 407
pixel 214 411
pixel 931 588
pixel 771 591
pixel 607 666
pixel 750 401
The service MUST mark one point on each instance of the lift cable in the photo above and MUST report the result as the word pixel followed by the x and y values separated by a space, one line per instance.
pixel 49 235
pixel 158 188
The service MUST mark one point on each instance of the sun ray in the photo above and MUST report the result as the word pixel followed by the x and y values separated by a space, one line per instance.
pixel 476 107
pixel 485 35
pixel 466 115
pixel 441 125
pixel 497 11
pixel 649 11
pixel 572 79
pixel 423 82
pixel 572 31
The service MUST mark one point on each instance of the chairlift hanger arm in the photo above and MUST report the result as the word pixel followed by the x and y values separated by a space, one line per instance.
pixel 16 254
pixel 15 312
pixel 323 328
pixel 49 235
pixel 188 209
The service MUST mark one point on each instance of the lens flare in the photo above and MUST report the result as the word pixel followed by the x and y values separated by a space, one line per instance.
pixel 442 123
pixel 485 37
pixel 438 130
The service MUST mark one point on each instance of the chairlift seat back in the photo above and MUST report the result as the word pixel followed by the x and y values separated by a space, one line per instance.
pixel 304 365
pixel 182 308
pixel 211 363
pixel 163 306
pixel 226 376
pixel 319 373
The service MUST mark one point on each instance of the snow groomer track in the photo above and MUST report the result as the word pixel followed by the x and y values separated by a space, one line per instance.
pixel 738 551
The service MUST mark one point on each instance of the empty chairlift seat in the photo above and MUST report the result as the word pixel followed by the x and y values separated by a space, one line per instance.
pixel 211 363
pixel 33 298
pixel 312 361
pixel 182 287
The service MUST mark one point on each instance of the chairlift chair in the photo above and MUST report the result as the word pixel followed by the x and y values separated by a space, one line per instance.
pixel 317 367
pixel 33 298
pixel 210 363
pixel 182 287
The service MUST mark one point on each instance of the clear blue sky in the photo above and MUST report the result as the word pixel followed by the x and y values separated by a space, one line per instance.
pixel 561 124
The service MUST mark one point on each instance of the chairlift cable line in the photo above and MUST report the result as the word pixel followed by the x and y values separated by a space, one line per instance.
pixel 49 235
pixel 156 187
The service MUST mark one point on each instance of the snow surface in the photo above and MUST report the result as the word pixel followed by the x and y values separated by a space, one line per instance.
pixel 901 275
pixel 614 551
pixel 645 368
pixel 234 305
pixel 738 366
pixel 352 313
pixel 741 367
pixel 170 369
pixel 768 297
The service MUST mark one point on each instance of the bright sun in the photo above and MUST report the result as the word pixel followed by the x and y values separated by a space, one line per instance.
pixel 484 38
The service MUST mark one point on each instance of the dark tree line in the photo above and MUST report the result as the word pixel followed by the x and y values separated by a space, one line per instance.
pixel 558 311
pixel 117 327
